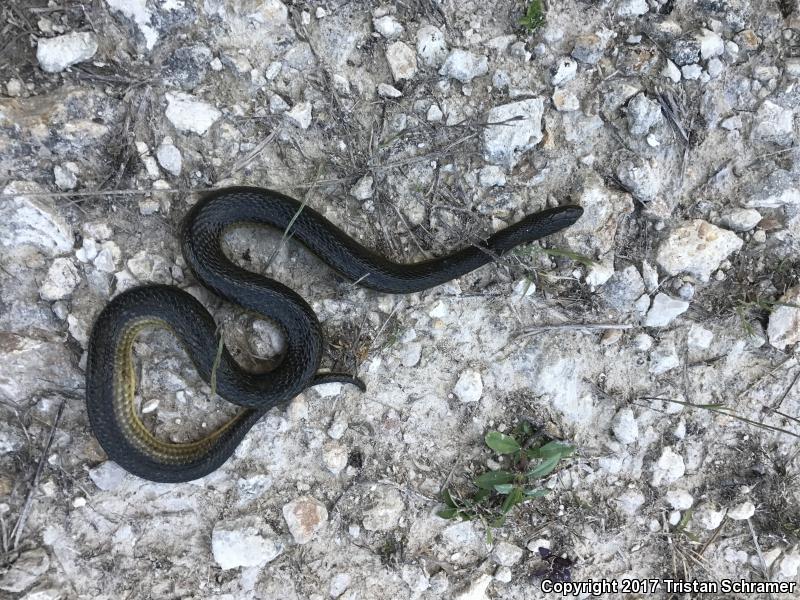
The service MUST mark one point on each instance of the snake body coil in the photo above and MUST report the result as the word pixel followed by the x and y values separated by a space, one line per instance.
pixel 110 378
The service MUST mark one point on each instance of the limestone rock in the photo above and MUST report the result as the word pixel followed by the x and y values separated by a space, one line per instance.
pixel 31 221
pixel 58 53
pixel 304 517
pixel 244 542
pixel 698 248
pixel 187 113
pixel 784 320
pixel 513 130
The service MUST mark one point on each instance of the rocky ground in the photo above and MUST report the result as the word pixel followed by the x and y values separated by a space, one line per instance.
pixel 416 128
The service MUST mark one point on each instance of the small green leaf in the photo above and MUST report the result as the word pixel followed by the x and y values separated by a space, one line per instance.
pixel 503 488
pixel 482 495
pixel 448 513
pixel 448 499
pixel 551 449
pixel 544 468
pixel 514 497
pixel 501 443
pixel 488 480
pixel 536 493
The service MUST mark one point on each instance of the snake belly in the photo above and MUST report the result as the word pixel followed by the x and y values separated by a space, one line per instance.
pixel 110 375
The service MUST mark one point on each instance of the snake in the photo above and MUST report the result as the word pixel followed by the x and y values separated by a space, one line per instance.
pixel 114 417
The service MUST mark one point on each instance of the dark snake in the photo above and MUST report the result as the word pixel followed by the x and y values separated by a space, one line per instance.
pixel 110 376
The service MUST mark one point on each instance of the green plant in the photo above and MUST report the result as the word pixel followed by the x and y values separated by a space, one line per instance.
pixel 534 16
pixel 526 458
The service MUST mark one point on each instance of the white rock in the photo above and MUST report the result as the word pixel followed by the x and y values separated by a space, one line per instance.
pixel 169 157
pixel 14 87
pixel 708 517
pixel 784 321
pixel 506 554
pixel 642 342
pixel 503 575
pixel 277 105
pixel 566 70
pixel 339 426
pixel 664 358
pixel 643 114
pixel 402 61
pixel 108 257
pixel 632 8
pixel 469 386
pixel 630 501
pixel 464 66
pixel 187 113
pixel 88 250
pixel 742 219
pixel 334 455
pixel 300 115
pixel 62 278
pixel 475 590
pixel 108 476
pixel 715 68
pixel 670 467
pixel 431 47
pixel 273 70
pixel 435 113
pixel 711 44
pixel 789 565
pixel 29 221
pixel 773 124
pixel 304 517
pixel 385 509
pixel 387 26
pixel 698 248
pixel 599 274
pixel 339 584
pixel 624 426
pixel 362 190
pixel 664 310
pixel 699 337
pixel 138 12
pixel 244 542
pixel 524 288
pixel 535 545
pixel 743 511
pixel 25 570
pixel 410 354
pixel 565 101
pixel 150 164
pixel 58 53
pixel 671 71
pixel 680 499
pixel 640 178
pixel 513 129
pixel 388 91
pixel 492 176
pixel 65 177
pixel 692 72
pixel 649 276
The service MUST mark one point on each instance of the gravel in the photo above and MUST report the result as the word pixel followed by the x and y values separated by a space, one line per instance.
pixel 416 129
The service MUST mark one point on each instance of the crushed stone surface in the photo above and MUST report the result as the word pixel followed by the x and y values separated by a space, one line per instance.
pixel 417 128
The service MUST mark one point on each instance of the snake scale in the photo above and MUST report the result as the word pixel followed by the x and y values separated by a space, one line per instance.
pixel 110 375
